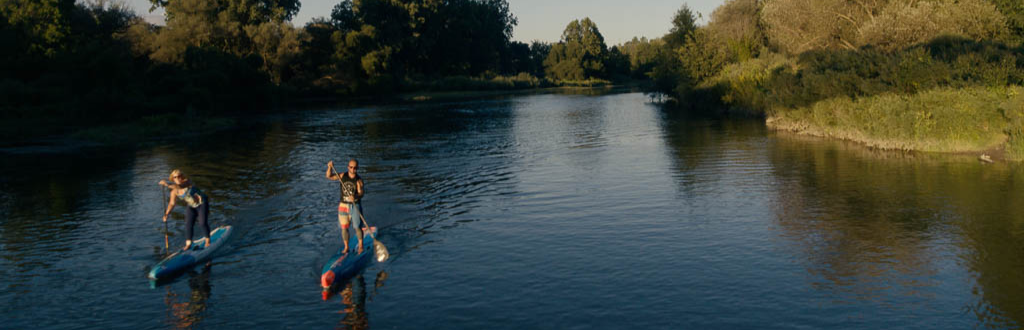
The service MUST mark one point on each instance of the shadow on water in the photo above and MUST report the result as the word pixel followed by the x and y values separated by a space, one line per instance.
pixel 874 225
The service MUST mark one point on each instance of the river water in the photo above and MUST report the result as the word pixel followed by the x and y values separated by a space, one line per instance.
pixel 548 211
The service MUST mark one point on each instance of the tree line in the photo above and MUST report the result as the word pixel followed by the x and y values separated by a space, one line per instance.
pixel 96 61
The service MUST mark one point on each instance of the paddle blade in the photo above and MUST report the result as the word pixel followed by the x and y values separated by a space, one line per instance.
pixel 380 250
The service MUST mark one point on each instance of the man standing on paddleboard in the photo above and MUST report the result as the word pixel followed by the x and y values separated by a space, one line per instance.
pixel 349 208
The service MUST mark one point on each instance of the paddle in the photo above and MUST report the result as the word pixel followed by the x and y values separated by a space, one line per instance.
pixel 167 239
pixel 379 249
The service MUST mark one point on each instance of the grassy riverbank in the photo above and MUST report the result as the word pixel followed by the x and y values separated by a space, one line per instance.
pixel 948 95
pixel 977 119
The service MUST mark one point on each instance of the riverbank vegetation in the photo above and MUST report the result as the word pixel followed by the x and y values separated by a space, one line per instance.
pixel 71 64
pixel 943 75
pixel 933 75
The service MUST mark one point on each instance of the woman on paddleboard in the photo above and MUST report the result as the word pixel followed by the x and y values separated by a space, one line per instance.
pixel 349 208
pixel 197 205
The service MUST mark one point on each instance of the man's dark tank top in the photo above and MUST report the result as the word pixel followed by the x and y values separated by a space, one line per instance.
pixel 348 186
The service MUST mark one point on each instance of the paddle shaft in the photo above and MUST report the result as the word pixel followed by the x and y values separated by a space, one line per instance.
pixel 166 200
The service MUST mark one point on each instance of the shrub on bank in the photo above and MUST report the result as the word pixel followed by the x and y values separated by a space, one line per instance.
pixel 742 86
pixel 777 82
pixel 464 83
pixel 593 82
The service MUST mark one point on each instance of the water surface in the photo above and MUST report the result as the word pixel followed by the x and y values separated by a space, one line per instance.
pixel 542 211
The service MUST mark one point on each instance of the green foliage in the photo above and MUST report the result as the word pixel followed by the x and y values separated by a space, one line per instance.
pixel 776 82
pixel 684 22
pixel 1013 111
pixel 617 64
pixel 901 24
pixel 735 27
pixel 952 62
pixel 743 86
pixel 642 55
pixel 377 43
pixel 538 53
pixel 687 55
pixel 944 119
pixel 278 46
pixel 462 83
pixel 797 26
pixel 581 54
pixel 244 12
pixel 1013 10
pixel 517 58
pixel 701 56
pixel 89 69
pixel 41 25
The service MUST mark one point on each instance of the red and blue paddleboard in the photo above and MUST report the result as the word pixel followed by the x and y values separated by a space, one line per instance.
pixel 344 265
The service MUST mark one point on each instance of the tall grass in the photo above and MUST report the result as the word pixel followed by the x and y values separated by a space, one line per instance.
pixel 944 119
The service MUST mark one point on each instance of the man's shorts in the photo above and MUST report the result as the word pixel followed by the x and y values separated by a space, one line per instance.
pixel 345 211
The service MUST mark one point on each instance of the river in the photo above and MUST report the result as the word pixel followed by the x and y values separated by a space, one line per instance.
pixel 546 211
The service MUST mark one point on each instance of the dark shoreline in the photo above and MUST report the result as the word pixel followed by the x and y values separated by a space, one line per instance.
pixel 148 129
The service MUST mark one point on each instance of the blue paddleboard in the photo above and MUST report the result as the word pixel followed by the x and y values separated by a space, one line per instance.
pixel 185 259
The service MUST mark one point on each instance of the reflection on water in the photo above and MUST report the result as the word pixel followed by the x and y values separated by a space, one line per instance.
pixel 187 311
pixel 353 298
pixel 502 212
pixel 880 226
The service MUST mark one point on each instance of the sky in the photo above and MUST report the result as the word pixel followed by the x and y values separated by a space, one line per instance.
pixel 618 20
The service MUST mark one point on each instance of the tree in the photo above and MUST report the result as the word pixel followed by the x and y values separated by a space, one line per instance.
pixel 386 41
pixel 683 24
pixel 643 55
pixel 580 55
pixel 736 26
pixel 538 54
pixel 245 12
pixel 42 24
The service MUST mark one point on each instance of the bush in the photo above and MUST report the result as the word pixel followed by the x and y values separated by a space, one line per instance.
pixel 945 62
pixel 797 26
pixel 742 86
pixel 463 83
pixel 902 24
